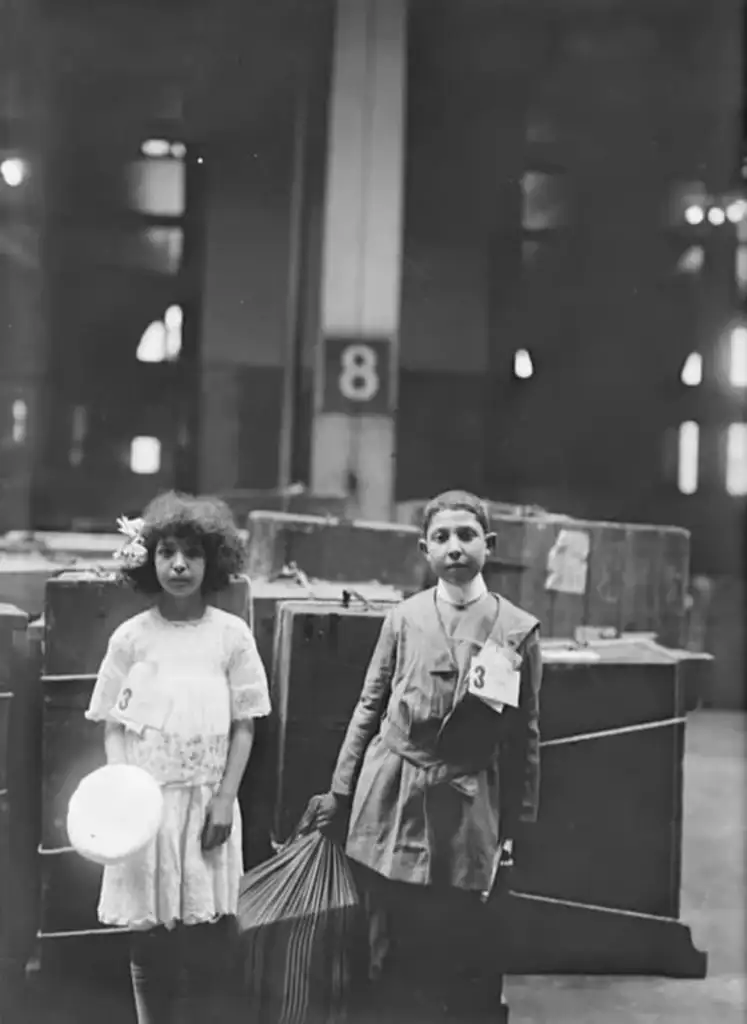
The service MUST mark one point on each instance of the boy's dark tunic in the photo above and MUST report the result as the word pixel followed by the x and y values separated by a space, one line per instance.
pixel 436 776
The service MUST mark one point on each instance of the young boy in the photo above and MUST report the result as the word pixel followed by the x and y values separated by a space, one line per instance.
pixel 438 768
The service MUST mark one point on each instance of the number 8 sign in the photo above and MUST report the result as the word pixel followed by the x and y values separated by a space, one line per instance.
pixel 357 375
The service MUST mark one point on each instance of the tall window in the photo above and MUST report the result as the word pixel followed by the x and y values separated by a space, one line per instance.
pixel 688 457
pixel 736 459
pixel 738 358
pixel 546 214
pixel 692 370
pixel 544 201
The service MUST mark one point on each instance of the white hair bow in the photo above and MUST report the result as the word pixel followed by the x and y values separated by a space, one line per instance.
pixel 133 552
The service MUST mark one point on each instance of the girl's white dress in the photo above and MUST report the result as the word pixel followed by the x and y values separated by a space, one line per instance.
pixel 177 687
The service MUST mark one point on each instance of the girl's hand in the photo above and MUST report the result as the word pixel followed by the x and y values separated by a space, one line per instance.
pixel 218 822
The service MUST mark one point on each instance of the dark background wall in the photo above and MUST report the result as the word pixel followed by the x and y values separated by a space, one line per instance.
pixel 613 107
pixel 618 106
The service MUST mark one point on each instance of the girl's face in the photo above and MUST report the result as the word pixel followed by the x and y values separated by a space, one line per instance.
pixel 456 546
pixel 180 566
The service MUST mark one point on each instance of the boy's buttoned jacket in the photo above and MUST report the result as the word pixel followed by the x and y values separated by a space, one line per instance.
pixel 435 775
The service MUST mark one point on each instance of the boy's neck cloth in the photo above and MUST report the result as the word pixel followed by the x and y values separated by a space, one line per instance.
pixel 462 597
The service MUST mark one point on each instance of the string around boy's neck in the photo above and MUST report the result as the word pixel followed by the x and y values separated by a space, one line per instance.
pixel 461 597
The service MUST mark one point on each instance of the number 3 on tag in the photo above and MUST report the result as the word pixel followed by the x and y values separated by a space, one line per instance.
pixel 477 677
pixel 124 699
pixel 493 677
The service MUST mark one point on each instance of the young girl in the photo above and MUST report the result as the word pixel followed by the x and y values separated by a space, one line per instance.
pixel 439 766
pixel 178 691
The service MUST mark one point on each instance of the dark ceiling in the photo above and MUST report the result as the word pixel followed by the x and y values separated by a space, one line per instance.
pixel 208 67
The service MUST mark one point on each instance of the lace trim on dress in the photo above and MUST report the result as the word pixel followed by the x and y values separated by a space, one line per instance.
pixel 174 760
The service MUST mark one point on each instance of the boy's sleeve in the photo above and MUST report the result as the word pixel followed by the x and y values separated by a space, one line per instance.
pixel 247 679
pixel 520 756
pixel 366 718
pixel 112 673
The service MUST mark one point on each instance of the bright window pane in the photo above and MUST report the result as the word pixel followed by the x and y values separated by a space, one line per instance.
pixel 692 371
pixel 691 260
pixel 152 347
pixel 145 455
pixel 163 249
pixel 523 367
pixel 78 433
pixel 736 459
pixel 13 172
pixel 157 187
pixel 162 340
pixel 738 358
pixel 20 417
pixel 740 269
pixel 545 201
pixel 155 147
pixel 687 468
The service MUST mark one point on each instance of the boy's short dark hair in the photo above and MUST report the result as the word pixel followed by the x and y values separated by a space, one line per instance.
pixel 205 521
pixel 457 500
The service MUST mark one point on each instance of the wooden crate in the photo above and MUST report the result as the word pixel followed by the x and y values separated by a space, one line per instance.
pixel 333 549
pixel 81 612
pixel 5 828
pixel 7 965
pixel 23 581
pixel 70 888
pixel 612 750
pixel 723 633
pixel 5 703
pixel 259 783
pixel 268 595
pixel 603 863
pixel 72 747
pixel 243 502
pixel 634 578
pixel 19 803
pixel 321 655
pixel 28 562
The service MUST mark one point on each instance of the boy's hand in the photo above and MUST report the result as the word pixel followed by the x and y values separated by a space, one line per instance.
pixel 218 822
pixel 327 813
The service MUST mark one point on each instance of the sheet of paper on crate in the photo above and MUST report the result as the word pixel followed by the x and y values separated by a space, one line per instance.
pixel 592 634
pixel 568 563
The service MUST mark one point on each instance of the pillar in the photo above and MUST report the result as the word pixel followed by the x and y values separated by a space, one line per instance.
pixel 356 364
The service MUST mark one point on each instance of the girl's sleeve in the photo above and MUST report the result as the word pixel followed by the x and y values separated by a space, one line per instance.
pixel 247 679
pixel 117 663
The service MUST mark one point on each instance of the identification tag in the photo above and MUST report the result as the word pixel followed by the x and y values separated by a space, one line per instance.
pixel 494 676
pixel 139 705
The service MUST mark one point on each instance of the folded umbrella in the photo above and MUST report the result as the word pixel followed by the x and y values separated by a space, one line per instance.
pixel 298 918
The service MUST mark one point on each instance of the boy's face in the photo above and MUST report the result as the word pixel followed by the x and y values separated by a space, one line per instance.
pixel 456 546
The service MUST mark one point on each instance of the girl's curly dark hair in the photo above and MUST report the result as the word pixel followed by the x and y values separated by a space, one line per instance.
pixel 205 521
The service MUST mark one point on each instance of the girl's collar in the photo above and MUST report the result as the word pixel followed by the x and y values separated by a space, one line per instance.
pixel 462 597
pixel 181 622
